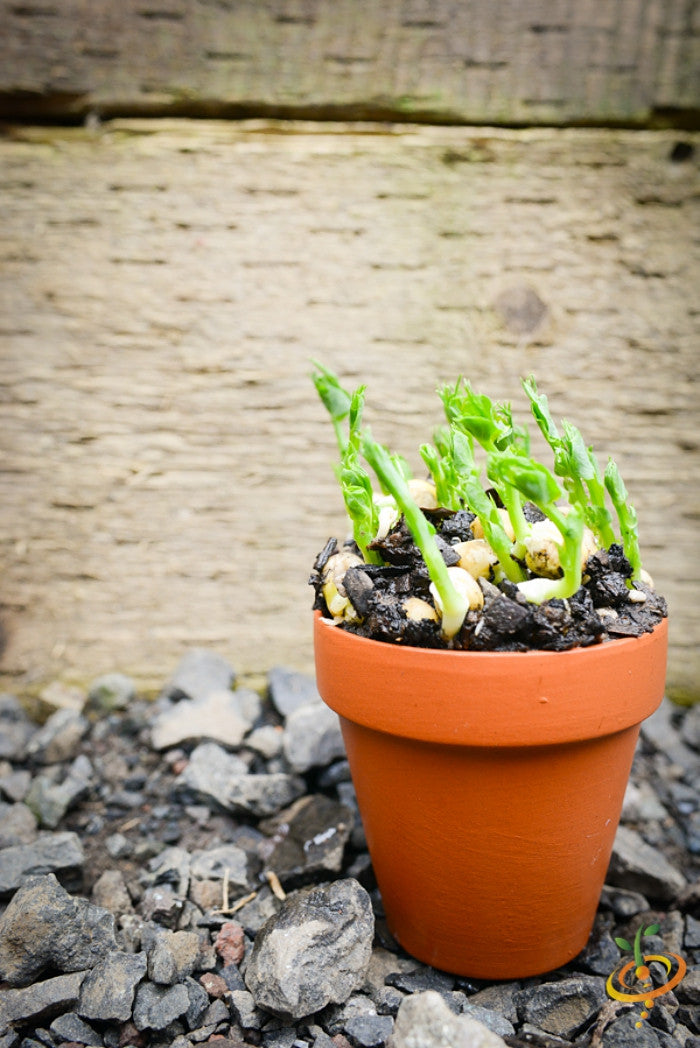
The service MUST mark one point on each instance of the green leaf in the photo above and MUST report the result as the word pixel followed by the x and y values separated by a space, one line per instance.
pixel 532 479
pixel 335 399
pixel 622 943
pixel 652 929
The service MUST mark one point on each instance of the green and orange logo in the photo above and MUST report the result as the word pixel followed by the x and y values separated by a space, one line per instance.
pixel 634 982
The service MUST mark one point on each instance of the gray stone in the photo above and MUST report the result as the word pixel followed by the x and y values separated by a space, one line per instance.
pixel 110 892
pixel 131 928
pixel 119 846
pixel 157 1006
pixel 500 997
pixel 425 1021
pixel 690 729
pixel 199 1002
pixel 59 738
pixel 624 1033
pixel 222 780
pixel 59 853
pixel 563 1008
pixel 316 830
pixel 41 1001
pixel 199 673
pixel 336 1018
pixel 286 1036
pixel 388 1000
pixel 689 989
pixel 14 783
pixel 172 866
pixel 44 927
pixel 381 964
pixel 162 905
pixel 623 903
pixel 111 691
pixel 248 1014
pixel 266 740
pixel 262 795
pixel 17 825
pixel 315 951
pixel 16 729
pixel 322 1040
pixel 641 804
pixel 50 796
pixel 70 1027
pixel 421 978
pixel 369 1031
pixel 208 774
pixel 289 690
pixel 108 991
pixel 255 913
pixel 225 860
pixel 636 865
pixel 660 732
pixel 222 716
pixel 489 1018
pixel 312 737
pixel 172 955
pixel 691 939
pixel 601 954
pixel 215 1013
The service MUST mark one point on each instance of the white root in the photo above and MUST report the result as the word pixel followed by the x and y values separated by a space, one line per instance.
pixel 388 513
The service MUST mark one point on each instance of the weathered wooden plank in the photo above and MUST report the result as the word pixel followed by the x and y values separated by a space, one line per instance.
pixel 166 473
pixel 472 62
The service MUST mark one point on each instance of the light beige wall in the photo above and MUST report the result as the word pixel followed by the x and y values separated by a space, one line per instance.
pixel 167 476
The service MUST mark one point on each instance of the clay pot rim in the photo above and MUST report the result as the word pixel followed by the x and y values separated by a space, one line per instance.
pixel 491 698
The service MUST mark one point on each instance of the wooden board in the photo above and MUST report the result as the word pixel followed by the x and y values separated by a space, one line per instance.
pixel 501 61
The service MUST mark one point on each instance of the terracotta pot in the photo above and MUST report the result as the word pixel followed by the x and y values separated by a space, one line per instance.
pixel 490 787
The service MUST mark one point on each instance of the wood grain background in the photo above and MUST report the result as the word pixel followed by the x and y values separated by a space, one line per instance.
pixel 166 474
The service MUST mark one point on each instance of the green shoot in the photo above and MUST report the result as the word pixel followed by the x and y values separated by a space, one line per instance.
pixel 583 467
pixel 355 483
pixel 536 484
pixel 576 464
pixel 440 469
pixel 626 515
pixel 510 496
pixel 476 415
pixel 454 605
pixel 335 399
pixel 474 419
pixel 496 536
pixel 491 425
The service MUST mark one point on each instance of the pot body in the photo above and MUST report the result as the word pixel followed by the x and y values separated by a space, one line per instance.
pixel 490 787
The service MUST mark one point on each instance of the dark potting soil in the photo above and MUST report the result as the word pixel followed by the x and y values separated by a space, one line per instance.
pixel 604 608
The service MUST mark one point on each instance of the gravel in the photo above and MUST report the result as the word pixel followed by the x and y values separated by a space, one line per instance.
pixel 193 870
